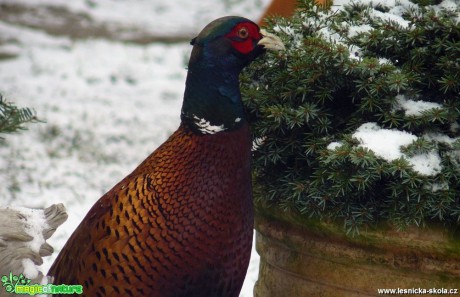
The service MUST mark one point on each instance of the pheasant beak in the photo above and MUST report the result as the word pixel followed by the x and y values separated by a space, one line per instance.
pixel 271 41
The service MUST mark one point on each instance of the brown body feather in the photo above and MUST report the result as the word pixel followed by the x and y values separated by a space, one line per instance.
pixel 179 225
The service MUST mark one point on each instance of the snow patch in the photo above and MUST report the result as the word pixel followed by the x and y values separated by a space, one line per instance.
pixel 454 127
pixel 439 187
pixel 333 145
pixel 387 144
pixel 34 225
pixel 355 30
pixel 383 142
pixel 439 137
pixel 415 108
pixel 30 269
pixel 159 17
pixel 384 61
pixel 396 10
pixel 428 164
pixel 296 36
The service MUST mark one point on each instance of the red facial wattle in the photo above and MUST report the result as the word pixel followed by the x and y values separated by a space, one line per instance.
pixel 244 37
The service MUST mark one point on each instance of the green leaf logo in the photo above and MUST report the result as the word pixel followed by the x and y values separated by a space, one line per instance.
pixel 10 281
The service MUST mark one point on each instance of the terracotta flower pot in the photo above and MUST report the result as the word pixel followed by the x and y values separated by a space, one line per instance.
pixel 300 257
pixel 285 8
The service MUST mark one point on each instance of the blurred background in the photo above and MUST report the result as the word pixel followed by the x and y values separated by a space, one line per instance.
pixel 106 79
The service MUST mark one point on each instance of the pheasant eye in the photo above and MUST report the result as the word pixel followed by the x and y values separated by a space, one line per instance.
pixel 243 33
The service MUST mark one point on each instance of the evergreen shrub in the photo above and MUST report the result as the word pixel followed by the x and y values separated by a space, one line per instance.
pixel 13 118
pixel 357 121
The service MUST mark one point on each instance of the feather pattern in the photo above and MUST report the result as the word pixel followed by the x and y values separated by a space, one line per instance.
pixel 157 224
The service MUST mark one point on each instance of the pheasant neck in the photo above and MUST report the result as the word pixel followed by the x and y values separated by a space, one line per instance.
pixel 212 98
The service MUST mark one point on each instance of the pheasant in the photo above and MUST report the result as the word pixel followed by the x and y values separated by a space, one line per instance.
pixel 181 224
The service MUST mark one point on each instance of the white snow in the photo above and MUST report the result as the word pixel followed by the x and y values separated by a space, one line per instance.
pixel 384 61
pixel 426 164
pixel 355 30
pixel 333 145
pixel 157 17
pixel 34 225
pixel 297 38
pixel 396 10
pixel 439 187
pixel 439 137
pixel 396 18
pixel 415 108
pixel 454 127
pixel 386 144
pixel 449 5
pixel 329 35
pixel 30 269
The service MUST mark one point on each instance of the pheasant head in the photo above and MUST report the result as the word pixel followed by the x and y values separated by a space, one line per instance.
pixel 212 99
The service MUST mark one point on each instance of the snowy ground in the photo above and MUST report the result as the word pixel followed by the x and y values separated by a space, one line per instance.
pixel 105 104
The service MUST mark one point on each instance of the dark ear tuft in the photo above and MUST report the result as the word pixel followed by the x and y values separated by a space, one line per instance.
pixel 193 41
